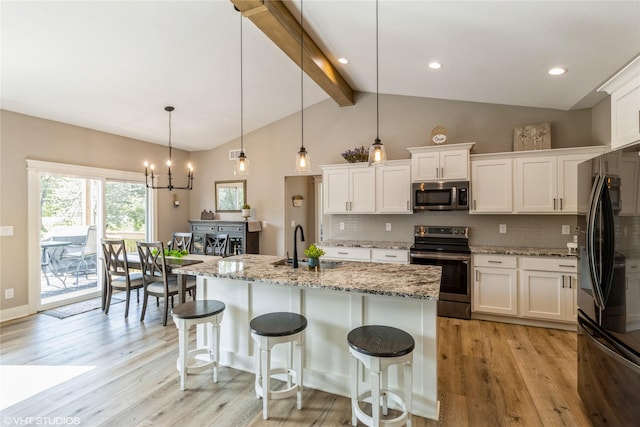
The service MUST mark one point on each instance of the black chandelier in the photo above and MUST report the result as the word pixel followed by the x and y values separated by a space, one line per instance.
pixel 153 176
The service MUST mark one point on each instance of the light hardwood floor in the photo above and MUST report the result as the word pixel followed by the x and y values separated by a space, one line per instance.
pixel 489 374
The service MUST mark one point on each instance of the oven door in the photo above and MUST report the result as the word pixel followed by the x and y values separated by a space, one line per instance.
pixel 454 285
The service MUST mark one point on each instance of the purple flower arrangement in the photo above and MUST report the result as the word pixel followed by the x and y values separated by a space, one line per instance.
pixel 358 154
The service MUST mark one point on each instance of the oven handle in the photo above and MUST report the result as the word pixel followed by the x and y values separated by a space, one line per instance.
pixel 431 255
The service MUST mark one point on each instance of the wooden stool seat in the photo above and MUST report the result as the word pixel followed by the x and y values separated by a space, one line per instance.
pixel 209 313
pixel 268 330
pixel 379 347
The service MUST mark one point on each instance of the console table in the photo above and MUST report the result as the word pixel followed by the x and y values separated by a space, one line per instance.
pixel 244 236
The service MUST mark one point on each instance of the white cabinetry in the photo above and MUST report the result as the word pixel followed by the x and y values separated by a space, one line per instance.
pixel 395 256
pixel 495 284
pixel 548 288
pixel 549 183
pixel 633 293
pixel 360 189
pixel 629 194
pixel 624 89
pixel 393 188
pixel 491 185
pixel 440 163
pixel 346 253
pixel 349 189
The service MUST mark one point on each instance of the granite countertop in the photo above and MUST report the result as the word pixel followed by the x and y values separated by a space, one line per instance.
pixel 505 250
pixel 366 244
pixel 403 280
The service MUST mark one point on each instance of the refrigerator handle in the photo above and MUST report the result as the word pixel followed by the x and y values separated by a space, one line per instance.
pixel 596 193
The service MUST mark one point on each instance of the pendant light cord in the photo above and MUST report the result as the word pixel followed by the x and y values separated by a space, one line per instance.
pixel 301 76
pixel 169 109
pixel 377 90
pixel 241 92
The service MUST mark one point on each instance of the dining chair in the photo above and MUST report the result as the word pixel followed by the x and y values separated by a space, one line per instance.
pixel 216 244
pixel 117 274
pixel 155 276
pixel 180 241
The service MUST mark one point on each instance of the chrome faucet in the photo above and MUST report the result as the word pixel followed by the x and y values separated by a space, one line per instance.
pixel 295 244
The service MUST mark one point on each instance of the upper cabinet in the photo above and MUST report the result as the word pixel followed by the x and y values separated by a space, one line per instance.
pixel 624 89
pixel 440 162
pixel 359 189
pixel 492 185
pixel 528 182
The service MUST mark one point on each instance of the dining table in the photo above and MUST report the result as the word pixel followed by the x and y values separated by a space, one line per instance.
pixel 133 260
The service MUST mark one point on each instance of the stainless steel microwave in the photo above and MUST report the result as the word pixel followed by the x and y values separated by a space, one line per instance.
pixel 440 196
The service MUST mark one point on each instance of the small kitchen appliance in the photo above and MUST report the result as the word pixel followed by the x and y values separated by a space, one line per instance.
pixel 447 247
pixel 440 196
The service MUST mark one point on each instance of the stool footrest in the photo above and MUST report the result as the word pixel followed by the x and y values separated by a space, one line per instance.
pixel 284 393
pixel 198 360
pixel 367 419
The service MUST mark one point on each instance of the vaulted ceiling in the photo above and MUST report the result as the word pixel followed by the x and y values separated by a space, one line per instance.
pixel 114 65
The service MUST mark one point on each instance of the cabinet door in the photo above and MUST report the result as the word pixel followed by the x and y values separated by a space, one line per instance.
pixel 571 297
pixel 491 186
pixel 362 194
pixel 495 291
pixel 425 166
pixel 454 165
pixel 542 295
pixel 336 190
pixel 393 189
pixel 629 194
pixel 633 299
pixel 625 114
pixel 567 198
pixel 536 179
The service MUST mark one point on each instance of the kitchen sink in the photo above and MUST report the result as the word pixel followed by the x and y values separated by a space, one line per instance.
pixel 302 263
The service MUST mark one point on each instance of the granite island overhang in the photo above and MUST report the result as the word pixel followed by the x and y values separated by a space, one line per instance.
pixel 334 300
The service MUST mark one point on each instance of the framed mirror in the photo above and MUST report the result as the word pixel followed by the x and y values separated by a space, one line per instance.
pixel 230 195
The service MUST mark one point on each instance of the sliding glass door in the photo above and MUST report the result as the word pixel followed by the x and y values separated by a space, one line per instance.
pixel 70 209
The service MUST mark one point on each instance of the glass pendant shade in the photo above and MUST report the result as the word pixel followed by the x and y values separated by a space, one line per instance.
pixel 242 165
pixel 303 161
pixel 377 153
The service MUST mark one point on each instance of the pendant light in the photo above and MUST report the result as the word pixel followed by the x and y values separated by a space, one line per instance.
pixel 153 176
pixel 241 166
pixel 377 153
pixel 303 160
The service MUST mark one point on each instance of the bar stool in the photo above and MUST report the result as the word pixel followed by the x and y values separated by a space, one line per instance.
pixel 268 330
pixel 208 312
pixel 379 347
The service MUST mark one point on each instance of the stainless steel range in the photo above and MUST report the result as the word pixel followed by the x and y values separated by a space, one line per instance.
pixel 447 247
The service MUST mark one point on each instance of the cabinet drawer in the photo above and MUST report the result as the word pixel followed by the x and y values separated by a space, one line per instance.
pixel 204 228
pixel 230 229
pixel 353 254
pixel 390 255
pixel 569 265
pixel 496 261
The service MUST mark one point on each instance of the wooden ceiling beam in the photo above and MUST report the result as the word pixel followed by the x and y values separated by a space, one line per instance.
pixel 276 21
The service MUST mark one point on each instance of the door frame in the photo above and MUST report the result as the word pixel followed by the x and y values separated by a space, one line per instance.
pixel 35 169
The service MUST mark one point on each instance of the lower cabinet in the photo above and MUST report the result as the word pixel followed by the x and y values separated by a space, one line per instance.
pixel 542 288
pixel 495 284
pixel 345 253
pixel 633 293
pixel 241 240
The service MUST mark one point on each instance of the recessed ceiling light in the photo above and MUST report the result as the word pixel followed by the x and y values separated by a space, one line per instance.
pixel 557 71
pixel 435 65
pixel 343 60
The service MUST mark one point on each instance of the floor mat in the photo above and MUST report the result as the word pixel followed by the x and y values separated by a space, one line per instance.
pixel 77 308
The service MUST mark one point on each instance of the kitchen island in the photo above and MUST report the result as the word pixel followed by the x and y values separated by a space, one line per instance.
pixel 335 299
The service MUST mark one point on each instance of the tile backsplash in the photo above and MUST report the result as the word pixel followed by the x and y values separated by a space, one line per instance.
pixel 536 231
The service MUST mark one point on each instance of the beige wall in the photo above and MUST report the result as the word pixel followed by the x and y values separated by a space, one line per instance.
pixel 25 137
pixel 329 130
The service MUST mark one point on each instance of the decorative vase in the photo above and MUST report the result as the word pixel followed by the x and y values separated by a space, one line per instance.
pixel 314 263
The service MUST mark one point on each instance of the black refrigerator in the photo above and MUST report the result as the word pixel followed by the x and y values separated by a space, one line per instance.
pixel 609 287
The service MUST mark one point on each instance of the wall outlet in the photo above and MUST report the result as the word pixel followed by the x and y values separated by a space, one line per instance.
pixel 342 226
pixel 566 230
pixel 388 226
pixel 264 224
pixel 293 223
pixel 503 228
pixel 8 293
pixel 6 230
